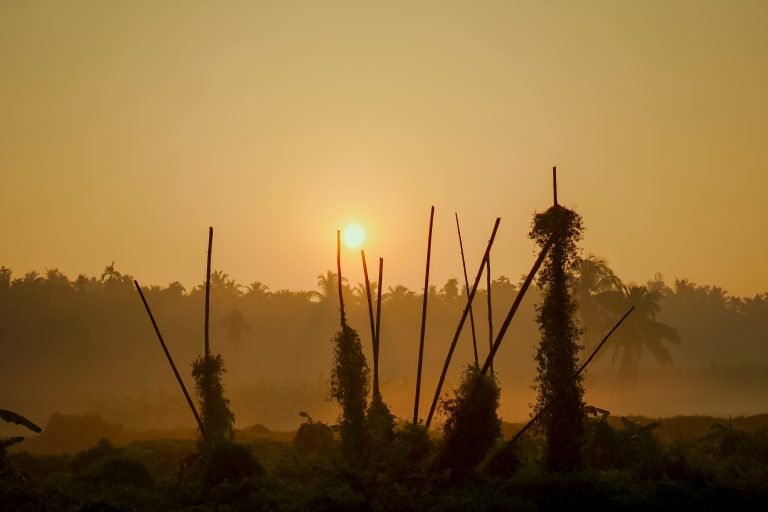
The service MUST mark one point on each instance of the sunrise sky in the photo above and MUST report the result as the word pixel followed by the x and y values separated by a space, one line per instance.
pixel 127 128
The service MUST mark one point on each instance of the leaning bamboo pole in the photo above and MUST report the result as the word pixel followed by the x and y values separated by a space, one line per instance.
pixel 570 381
pixel 208 294
pixel 373 326
pixel 170 360
pixel 461 323
pixel 490 309
pixel 466 285
pixel 528 280
pixel 423 320
pixel 377 346
pixel 338 278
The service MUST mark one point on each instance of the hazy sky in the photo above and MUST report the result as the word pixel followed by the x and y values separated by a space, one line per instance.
pixel 127 128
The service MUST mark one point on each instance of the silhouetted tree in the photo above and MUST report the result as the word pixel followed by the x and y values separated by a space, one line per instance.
pixel 472 425
pixel 349 387
pixel 557 353
pixel 643 332
pixel 218 419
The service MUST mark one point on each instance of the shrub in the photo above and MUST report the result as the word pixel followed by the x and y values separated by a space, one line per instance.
pixel 472 426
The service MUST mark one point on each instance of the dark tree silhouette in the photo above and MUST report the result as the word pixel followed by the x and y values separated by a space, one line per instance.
pixel 218 419
pixel 472 425
pixel 556 357
pixel 349 387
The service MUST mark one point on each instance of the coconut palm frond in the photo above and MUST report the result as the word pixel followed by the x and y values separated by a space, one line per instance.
pixel 12 417
pixel 10 441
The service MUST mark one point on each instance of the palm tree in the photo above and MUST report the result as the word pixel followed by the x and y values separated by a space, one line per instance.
pixel 603 298
pixel 595 278
pixel 329 287
pixel 450 290
pixel 398 293
pixel 642 333
pixel 236 325
pixel 221 281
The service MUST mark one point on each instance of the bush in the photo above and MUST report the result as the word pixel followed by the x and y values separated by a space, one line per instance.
pixel 472 426
pixel 313 438
pixel 227 461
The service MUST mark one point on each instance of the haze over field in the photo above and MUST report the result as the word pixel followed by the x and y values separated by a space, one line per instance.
pixel 129 127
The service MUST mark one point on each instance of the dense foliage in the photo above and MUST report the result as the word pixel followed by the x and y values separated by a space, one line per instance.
pixel 218 420
pixel 558 351
pixel 630 465
pixel 472 425
pixel 349 387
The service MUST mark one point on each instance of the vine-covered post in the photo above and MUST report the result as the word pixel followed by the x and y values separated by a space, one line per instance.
pixel 558 382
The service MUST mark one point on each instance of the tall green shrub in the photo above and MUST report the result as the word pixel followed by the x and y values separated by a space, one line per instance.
pixel 349 387
pixel 557 354
pixel 472 425
pixel 218 419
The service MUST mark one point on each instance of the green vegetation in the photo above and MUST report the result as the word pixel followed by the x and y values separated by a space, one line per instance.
pixel 349 386
pixel 558 351
pixel 218 419
pixel 629 465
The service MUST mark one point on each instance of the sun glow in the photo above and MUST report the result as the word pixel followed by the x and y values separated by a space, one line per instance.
pixel 354 236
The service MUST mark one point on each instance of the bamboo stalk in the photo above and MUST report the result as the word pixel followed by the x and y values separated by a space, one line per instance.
pixel 208 293
pixel 461 324
pixel 170 360
pixel 466 284
pixel 423 320
pixel 377 347
pixel 528 280
pixel 338 277
pixel 373 326
pixel 554 183
pixel 570 381
pixel 490 309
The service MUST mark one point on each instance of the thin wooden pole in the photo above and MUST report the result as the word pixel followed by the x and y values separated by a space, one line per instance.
pixel 373 326
pixel 170 360
pixel 528 280
pixel 554 183
pixel 490 309
pixel 378 329
pixel 466 284
pixel 423 319
pixel 570 381
pixel 338 277
pixel 208 293
pixel 461 323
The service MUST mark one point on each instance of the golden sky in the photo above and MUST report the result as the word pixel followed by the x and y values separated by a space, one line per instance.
pixel 128 127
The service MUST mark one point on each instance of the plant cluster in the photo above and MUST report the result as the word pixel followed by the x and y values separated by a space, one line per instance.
pixel 218 420
pixel 558 350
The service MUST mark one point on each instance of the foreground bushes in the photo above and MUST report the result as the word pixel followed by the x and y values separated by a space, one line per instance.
pixel 629 469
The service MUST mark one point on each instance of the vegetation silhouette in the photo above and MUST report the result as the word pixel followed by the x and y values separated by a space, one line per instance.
pixel 218 420
pixel 557 354
pixel 472 425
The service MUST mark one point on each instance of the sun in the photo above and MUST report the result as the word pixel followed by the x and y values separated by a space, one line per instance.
pixel 354 236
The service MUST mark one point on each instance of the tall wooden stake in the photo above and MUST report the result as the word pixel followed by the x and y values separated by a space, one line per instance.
pixel 170 360
pixel 208 292
pixel 461 324
pixel 490 309
pixel 378 329
pixel 338 277
pixel 373 326
pixel 466 284
pixel 528 280
pixel 423 320
pixel 570 381
pixel 554 183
